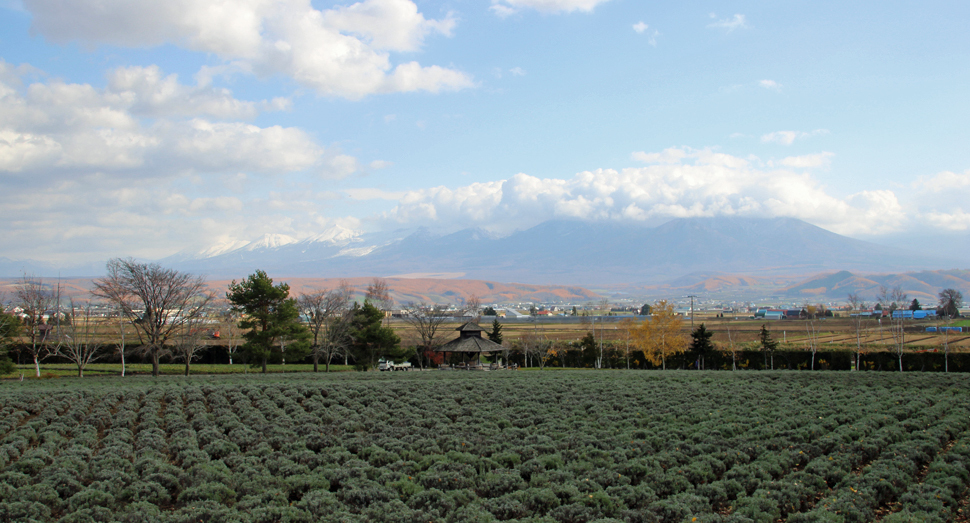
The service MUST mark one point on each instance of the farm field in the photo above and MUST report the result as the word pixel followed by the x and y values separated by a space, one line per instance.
pixel 554 447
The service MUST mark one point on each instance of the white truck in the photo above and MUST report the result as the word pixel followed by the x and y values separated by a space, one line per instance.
pixel 383 365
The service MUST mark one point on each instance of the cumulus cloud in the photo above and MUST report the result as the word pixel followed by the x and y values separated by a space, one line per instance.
pixel 67 130
pixel 941 200
pixel 508 7
pixel 737 21
pixel 679 182
pixel 789 137
pixel 344 51
pixel 770 84
pixel 146 165
pixel 642 28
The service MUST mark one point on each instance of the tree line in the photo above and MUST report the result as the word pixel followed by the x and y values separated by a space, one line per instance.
pixel 169 311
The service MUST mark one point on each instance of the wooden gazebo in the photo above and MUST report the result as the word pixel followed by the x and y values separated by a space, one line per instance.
pixel 470 342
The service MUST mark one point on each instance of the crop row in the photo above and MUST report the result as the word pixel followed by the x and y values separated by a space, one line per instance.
pixel 566 447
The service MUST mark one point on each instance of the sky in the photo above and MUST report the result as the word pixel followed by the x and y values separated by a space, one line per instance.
pixel 144 129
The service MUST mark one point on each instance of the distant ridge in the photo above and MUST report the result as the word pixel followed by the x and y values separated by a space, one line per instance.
pixel 581 253
pixel 568 252
pixel 923 285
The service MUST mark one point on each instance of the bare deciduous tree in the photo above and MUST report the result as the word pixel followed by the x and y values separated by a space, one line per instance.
pixel 811 328
pixel 627 327
pixel 168 299
pixel 893 299
pixel 535 348
pixel 188 341
pixel 379 294
pixel 35 300
pixel 950 301
pixel 473 306
pixel 122 346
pixel 230 319
pixel 426 320
pixel 731 347
pixel 329 319
pixel 861 325
pixel 78 342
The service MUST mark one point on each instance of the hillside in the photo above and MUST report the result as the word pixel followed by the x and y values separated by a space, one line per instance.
pixel 402 289
pixel 923 285
pixel 558 252
pixel 572 252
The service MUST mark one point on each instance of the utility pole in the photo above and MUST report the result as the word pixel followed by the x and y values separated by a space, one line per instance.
pixel 691 296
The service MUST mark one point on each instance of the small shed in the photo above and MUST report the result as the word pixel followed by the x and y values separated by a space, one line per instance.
pixel 470 342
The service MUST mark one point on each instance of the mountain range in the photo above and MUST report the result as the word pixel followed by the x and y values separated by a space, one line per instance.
pixel 567 252
pixel 680 252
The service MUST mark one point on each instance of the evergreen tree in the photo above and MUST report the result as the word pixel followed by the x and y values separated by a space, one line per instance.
pixel 372 340
pixel 768 345
pixel 915 306
pixel 645 310
pixel 496 334
pixel 701 342
pixel 271 319
pixel 10 328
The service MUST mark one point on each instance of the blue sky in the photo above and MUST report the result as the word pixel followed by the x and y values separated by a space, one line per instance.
pixel 146 128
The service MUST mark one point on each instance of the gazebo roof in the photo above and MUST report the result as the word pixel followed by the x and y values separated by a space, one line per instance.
pixel 470 344
pixel 470 326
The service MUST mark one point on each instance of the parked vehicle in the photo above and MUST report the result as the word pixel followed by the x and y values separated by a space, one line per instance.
pixel 383 365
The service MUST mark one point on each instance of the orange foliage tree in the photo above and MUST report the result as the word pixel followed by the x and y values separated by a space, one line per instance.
pixel 659 336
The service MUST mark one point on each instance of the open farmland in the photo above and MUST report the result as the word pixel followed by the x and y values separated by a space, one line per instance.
pixel 559 447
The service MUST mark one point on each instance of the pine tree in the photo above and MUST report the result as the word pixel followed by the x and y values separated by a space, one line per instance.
pixel 496 334
pixel 768 345
pixel 271 319
pixel 701 342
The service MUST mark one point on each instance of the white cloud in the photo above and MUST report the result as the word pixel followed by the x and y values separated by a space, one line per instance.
pixel 789 137
pixel 808 161
pixel 62 129
pixel 388 24
pixel 680 182
pixel 502 11
pixel 505 8
pixel 941 199
pixel 641 28
pixel 132 129
pixel 342 51
pixel 517 71
pixel 770 84
pixel 737 21
pixel 76 221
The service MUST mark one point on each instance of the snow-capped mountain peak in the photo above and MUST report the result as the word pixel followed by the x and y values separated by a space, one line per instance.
pixel 270 241
pixel 335 234
pixel 222 247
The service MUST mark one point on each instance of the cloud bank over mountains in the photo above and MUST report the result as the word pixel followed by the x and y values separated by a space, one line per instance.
pixel 684 183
